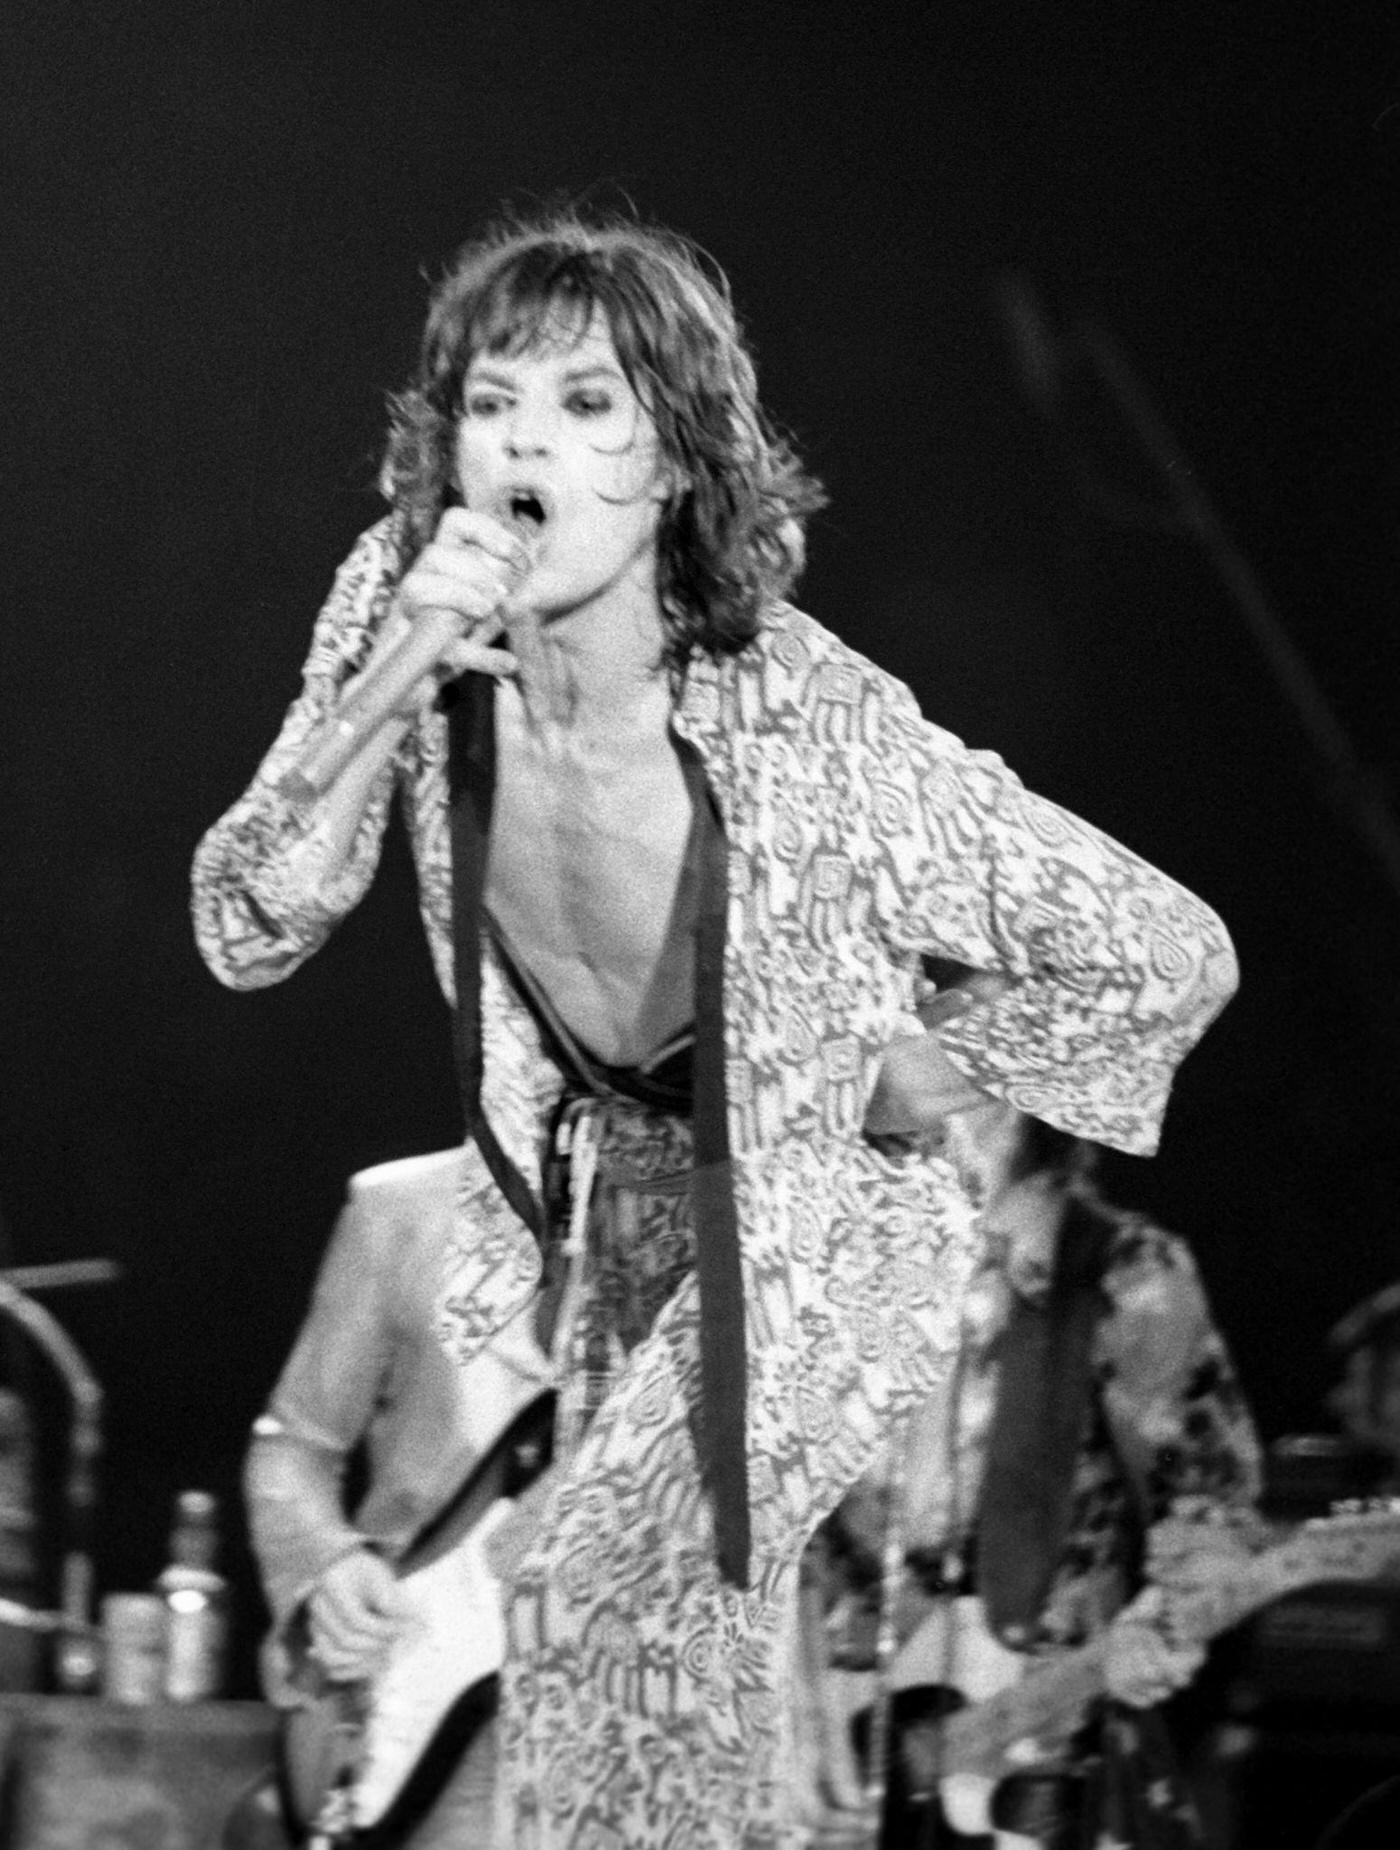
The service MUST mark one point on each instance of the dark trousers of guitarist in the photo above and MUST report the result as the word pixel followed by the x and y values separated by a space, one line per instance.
pixel 1096 1397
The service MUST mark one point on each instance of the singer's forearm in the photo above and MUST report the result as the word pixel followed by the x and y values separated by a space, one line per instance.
pixel 335 816
pixel 260 911
pixel 272 877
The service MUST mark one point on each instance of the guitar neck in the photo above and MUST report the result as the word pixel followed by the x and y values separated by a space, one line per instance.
pixel 976 1739
pixel 1054 1691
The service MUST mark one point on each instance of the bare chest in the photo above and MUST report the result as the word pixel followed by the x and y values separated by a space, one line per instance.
pixel 592 878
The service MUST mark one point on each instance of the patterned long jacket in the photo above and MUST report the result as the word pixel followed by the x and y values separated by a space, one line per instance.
pixel 1166 1427
pixel 859 837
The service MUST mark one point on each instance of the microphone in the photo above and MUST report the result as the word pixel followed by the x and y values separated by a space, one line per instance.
pixel 373 701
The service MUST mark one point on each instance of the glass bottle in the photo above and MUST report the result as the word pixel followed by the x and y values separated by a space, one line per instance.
pixel 196 1597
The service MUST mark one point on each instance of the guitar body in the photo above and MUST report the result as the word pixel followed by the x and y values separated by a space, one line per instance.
pixel 974 1724
pixel 959 1815
pixel 363 1764
pixel 951 1660
pixel 460 1753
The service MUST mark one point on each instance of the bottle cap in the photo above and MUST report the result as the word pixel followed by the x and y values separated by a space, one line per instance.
pixel 196 1505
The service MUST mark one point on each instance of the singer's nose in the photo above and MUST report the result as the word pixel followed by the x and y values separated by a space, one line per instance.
pixel 527 433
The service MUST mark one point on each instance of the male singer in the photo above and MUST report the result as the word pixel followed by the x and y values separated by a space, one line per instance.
pixel 680 850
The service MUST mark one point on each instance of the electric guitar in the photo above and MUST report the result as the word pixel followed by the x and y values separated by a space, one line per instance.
pixel 956 1760
pixel 362 1763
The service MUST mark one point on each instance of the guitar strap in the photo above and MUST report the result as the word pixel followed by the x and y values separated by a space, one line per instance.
pixel 509 1465
pixel 1038 1425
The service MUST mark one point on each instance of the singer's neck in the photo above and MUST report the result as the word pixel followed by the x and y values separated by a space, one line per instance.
pixel 591 665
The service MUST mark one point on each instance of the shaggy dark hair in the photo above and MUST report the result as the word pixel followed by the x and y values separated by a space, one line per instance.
pixel 730 539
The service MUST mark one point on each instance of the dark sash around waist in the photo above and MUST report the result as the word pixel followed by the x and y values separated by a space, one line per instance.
pixel 664 1081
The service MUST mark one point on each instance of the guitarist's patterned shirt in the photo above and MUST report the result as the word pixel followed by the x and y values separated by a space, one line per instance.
pixel 1166 1424
pixel 1166 1430
pixel 859 838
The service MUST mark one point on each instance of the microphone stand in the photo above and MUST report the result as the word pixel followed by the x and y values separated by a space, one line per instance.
pixel 1045 357
pixel 76 1665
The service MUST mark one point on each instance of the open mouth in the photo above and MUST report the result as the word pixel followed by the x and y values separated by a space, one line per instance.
pixel 525 509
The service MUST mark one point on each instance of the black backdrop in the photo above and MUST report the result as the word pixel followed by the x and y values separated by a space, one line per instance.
pixel 217 228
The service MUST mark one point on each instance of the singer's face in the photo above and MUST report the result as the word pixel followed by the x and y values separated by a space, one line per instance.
pixel 554 439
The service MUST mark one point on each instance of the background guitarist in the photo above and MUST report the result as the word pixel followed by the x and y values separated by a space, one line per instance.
pixel 1096 1398
pixel 368 1375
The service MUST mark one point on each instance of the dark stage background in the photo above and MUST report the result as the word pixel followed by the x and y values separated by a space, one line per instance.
pixel 217 227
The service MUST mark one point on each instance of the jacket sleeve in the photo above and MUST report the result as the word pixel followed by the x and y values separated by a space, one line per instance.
pixel 1114 970
pixel 320 1408
pixel 1174 1403
pixel 263 896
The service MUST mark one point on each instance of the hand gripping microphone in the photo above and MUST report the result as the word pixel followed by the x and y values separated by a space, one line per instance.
pixel 374 700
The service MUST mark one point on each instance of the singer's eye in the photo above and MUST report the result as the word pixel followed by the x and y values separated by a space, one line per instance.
pixel 484 404
pixel 589 404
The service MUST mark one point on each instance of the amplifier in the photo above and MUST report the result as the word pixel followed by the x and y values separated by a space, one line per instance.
pixel 1312 1718
pixel 86 1774
pixel 1333 1648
